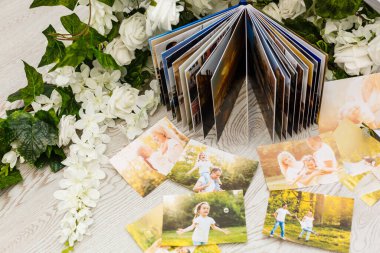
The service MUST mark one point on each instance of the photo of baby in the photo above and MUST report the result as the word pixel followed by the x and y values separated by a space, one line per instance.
pixel 204 169
pixel 204 219
pixel 356 99
pixel 298 164
pixel 147 160
pixel 312 219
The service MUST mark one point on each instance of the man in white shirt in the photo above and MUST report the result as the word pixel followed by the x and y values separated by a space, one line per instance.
pixel 280 216
pixel 212 186
pixel 325 159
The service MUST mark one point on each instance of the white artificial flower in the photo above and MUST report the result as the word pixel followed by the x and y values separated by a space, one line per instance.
pixel 98 99
pixel 121 54
pixel 89 121
pixel 291 8
pixel 123 101
pixel 45 103
pixel 148 101
pixel 272 10
pixel 6 106
pixel 374 50
pixel 66 130
pixel 136 122
pixel 133 32
pixel 101 16
pixel 162 16
pixel 61 77
pixel 353 59
pixel 128 5
pixel 108 79
pixel 11 158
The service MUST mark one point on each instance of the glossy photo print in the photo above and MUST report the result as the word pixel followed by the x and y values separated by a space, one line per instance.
pixel 205 169
pixel 147 160
pixel 356 99
pixel 203 219
pixel 297 164
pixel 316 220
pixel 147 232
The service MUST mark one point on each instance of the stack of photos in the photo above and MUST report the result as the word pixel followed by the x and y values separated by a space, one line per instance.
pixel 312 219
pixel 205 169
pixel 298 164
pixel 145 162
pixel 205 66
pixel 147 232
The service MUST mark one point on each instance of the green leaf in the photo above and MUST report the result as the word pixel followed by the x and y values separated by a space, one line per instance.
pixel 75 54
pixel 53 156
pixel 107 2
pixel 304 28
pixel 55 49
pixel 106 60
pixel 48 117
pixel 5 137
pixel 32 134
pixel 72 24
pixel 336 9
pixel 69 104
pixel 13 178
pixel 34 88
pixel 369 11
pixel 70 4
pixel 114 31
pixel 136 75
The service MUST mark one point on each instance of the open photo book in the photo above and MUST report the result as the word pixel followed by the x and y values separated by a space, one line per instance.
pixel 205 67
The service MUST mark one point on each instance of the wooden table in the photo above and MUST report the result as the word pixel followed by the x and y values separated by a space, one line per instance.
pixel 28 212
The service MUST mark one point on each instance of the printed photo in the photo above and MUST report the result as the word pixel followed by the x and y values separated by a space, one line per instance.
pixel 298 164
pixel 148 159
pixel 203 219
pixel 356 99
pixel 201 168
pixel 317 220
pixel 147 233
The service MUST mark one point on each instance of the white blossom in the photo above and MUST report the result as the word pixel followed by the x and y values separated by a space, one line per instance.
pixel 353 59
pixel 133 32
pixel 374 50
pixel 122 55
pixel 162 16
pixel 123 101
pixel 272 10
pixel 66 130
pixel 11 158
pixel 291 8
pixel 61 77
pixel 45 103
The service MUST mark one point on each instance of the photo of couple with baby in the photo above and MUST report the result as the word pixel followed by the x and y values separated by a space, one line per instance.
pixel 204 169
pixel 300 164
pixel 317 220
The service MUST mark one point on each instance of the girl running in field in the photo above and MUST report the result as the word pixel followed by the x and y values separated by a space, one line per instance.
pixel 201 225
pixel 307 226
pixel 204 166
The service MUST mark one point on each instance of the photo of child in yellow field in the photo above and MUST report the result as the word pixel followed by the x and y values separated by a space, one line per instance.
pixel 312 219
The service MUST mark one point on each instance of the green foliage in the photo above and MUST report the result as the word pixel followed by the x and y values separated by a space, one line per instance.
pixel 48 117
pixel 34 88
pixel 9 178
pixel 31 134
pixel 5 137
pixel 70 4
pixel 369 11
pixel 136 74
pixel 114 31
pixel 107 2
pixel 304 28
pixel 336 9
pixel 69 104
pixel 85 45
pixel 52 157
pixel 185 17
pixel 54 50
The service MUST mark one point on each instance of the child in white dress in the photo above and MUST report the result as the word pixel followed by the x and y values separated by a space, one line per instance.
pixel 204 167
pixel 307 226
pixel 201 225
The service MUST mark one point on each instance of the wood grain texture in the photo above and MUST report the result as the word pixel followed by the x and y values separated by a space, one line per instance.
pixel 28 212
